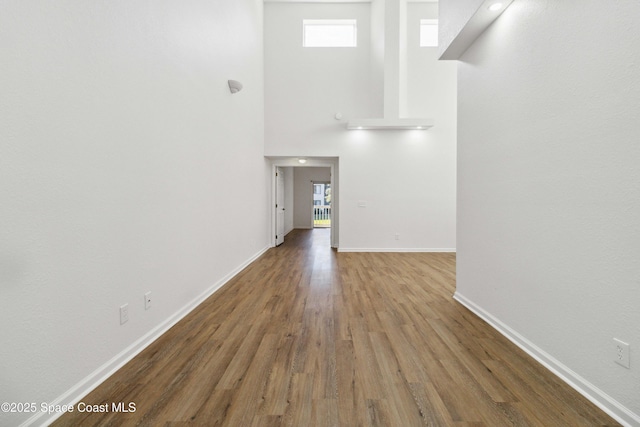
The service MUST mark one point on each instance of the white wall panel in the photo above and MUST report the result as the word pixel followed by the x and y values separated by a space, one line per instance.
pixel 126 166
pixel 548 194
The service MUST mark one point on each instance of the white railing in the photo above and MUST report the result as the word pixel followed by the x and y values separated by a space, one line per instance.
pixel 322 216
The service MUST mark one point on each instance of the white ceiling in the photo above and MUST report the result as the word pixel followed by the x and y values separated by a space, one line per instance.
pixel 341 1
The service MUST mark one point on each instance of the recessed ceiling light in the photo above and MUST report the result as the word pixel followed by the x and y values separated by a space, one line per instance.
pixel 495 7
pixel 419 127
pixel 302 161
pixel 359 127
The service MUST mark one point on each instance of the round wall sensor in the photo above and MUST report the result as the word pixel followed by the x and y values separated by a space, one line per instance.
pixel 338 116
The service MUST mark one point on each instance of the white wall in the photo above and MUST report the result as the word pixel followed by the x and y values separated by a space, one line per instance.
pixel 303 193
pixel 548 195
pixel 125 166
pixel 407 178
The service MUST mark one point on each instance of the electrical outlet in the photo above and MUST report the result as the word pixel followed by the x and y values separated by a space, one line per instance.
pixel 147 300
pixel 397 236
pixel 622 353
pixel 124 314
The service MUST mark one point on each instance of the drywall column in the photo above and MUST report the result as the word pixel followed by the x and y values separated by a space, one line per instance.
pixel 395 42
pixel 377 31
pixel 402 60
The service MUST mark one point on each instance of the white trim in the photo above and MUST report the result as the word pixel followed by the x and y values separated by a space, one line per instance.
pixel 396 249
pixel 598 397
pixel 97 377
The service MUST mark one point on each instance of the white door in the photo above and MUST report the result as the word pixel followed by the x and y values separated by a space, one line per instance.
pixel 279 207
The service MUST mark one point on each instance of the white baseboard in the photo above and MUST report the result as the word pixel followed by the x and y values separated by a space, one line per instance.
pixel 396 249
pixel 97 377
pixel 602 400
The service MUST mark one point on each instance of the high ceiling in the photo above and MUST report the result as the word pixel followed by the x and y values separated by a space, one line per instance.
pixel 341 1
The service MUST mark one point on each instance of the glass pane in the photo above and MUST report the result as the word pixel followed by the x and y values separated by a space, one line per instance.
pixel 429 33
pixel 330 33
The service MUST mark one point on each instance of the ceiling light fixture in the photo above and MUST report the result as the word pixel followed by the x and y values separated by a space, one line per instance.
pixel 390 124
pixel 302 161
pixel 495 7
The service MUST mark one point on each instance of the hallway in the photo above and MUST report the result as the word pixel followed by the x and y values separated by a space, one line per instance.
pixel 307 336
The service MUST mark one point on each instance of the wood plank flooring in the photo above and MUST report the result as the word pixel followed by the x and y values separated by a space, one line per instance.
pixel 306 336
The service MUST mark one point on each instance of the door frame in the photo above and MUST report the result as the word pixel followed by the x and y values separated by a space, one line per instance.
pixel 279 179
pixel 331 163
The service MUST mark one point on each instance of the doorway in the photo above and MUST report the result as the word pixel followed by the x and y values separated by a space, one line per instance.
pixel 298 206
pixel 321 204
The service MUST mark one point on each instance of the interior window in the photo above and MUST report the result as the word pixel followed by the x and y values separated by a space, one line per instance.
pixel 329 33
pixel 428 32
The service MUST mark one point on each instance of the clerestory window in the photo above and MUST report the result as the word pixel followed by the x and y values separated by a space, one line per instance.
pixel 329 33
pixel 428 33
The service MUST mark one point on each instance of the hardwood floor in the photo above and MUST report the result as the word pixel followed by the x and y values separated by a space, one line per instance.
pixel 306 336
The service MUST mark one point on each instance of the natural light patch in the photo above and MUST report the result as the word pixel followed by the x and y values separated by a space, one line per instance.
pixel 329 33
pixel 428 32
